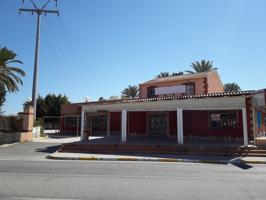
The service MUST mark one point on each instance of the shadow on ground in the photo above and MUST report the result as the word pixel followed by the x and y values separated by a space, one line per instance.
pixel 240 164
pixel 49 149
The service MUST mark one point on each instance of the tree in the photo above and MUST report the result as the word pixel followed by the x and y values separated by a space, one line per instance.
pixel 231 87
pixel 10 76
pixel 130 92
pixel 167 74
pixel 101 99
pixel 202 66
pixel 49 106
pixel 177 74
pixel 163 74
pixel 112 98
pixel 2 97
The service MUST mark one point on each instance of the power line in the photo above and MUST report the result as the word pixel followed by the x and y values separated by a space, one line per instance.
pixel 39 11
pixel 60 62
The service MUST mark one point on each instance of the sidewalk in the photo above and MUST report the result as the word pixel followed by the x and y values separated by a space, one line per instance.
pixel 157 158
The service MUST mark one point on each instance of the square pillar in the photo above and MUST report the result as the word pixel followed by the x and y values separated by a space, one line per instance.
pixel 124 126
pixel 83 136
pixel 245 127
pixel 180 132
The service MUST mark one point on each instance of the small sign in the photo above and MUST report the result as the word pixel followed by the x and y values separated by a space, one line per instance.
pixel 258 100
pixel 170 90
pixel 215 117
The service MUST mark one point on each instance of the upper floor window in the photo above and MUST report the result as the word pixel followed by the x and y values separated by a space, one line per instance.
pixel 151 92
pixel 190 89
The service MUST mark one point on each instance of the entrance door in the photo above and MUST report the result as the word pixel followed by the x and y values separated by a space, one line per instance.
pixel 157 124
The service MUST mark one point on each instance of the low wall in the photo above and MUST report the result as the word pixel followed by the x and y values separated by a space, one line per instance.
pixel 7 138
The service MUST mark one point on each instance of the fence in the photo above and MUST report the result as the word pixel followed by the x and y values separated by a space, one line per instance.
pixel 11 123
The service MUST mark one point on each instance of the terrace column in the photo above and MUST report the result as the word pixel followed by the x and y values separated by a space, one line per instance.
pixel 108 125
pixel 245 128
pixel 180 132
pixel 82 136
pixel 124 126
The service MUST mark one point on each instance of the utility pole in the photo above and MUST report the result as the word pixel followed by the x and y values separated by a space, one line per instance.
pixel 39 11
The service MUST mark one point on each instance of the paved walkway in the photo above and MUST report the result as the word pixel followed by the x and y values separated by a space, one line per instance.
pixel 56 140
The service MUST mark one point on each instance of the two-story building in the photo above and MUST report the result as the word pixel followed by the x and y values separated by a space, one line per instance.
pixel 179 107
pixel 188 84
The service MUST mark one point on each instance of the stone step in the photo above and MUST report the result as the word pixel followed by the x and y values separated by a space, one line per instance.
pixel 128 148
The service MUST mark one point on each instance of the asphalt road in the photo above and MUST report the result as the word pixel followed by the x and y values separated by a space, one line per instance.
pixel 34 177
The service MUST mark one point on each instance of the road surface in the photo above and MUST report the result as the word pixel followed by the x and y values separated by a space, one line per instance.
pixel 25 173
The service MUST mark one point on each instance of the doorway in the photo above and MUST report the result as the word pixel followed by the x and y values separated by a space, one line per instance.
pixel 157 124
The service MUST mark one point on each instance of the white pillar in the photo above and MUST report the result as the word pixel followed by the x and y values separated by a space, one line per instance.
pixel 245 127
pixel 124 126
pixel 108 125
pixel 180 132
pixel 82 126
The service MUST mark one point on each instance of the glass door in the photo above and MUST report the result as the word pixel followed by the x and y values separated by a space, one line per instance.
pixel 157 124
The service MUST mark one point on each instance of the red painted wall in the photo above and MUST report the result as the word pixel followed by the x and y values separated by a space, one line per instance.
pixel 137 122
pixel 196 123
pixel 172 123
pixel 115 121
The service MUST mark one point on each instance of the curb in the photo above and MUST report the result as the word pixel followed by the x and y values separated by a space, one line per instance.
pixel 139 159
pixel 8 145
pixel 253 161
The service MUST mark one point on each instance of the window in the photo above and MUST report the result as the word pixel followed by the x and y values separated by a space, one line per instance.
pixel 71 122
pixel 99 121
pixel 190 89
pixel 259 119
pixel 151 92
pixel 223 120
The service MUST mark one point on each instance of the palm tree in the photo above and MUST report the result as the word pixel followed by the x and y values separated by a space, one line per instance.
pixel 202 66
pixel 177 74
pixel 2 97
pixel 231 87
pixel 130 92
pixel 9 76
pixel 163 74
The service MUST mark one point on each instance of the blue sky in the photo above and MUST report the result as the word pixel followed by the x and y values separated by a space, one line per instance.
pixel 98 47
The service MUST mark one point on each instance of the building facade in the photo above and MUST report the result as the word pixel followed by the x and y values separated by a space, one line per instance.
pixel 180 108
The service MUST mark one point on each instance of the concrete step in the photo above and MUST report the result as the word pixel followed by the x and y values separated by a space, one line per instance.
pixel 160 149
